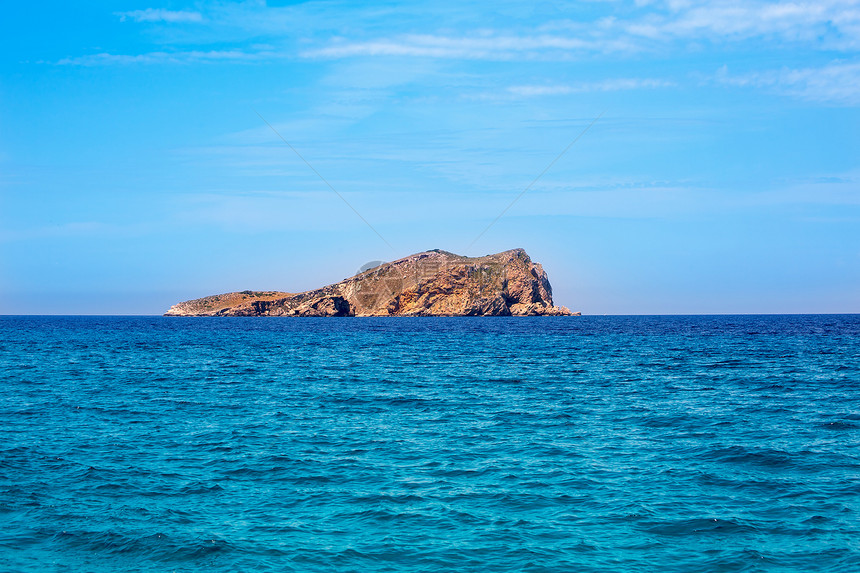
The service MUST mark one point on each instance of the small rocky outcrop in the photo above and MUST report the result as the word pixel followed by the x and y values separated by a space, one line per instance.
pixel 433 283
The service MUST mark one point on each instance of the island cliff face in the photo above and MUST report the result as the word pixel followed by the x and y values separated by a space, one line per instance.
pixel 433 283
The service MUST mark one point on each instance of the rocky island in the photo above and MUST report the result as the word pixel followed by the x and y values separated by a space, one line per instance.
pixel 432 283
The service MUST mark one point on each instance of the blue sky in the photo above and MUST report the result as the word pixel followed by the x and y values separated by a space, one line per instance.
pixel 722 177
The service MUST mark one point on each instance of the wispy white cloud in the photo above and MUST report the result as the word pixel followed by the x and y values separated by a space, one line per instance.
pixel 192 56
pixel 615 84
pixel 829 23
pixel 825 24
pixel 485 46
pixel 159 15
pixel 837 82
pixel 621 28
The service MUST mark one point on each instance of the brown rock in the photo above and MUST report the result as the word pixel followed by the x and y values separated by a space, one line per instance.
pixel 433 283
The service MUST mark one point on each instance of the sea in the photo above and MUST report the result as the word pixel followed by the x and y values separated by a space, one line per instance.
pixel 618 443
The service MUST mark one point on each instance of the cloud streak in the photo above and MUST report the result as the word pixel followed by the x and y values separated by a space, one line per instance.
pixel 625 28
pixel 836 83
pixel 616 84
pixel 827 24
pixel 158 15
pixel 186 57
pixel 487 46
pixel 834 24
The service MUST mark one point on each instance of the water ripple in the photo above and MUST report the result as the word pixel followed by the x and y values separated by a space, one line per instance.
pixel 591 444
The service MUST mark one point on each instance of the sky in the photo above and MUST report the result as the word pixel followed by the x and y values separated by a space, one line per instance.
pixel 151 152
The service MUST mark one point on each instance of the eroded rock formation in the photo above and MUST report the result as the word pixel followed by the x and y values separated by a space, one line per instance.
pixel 433 283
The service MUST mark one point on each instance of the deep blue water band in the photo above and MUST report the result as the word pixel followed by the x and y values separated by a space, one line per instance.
pixel 715 443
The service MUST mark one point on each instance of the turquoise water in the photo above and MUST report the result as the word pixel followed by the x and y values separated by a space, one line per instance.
pixel 723 443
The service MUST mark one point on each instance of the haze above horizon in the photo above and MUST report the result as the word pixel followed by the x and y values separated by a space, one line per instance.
pixel 723 177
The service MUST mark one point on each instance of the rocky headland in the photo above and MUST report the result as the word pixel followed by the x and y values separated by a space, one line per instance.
pixel 433 283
